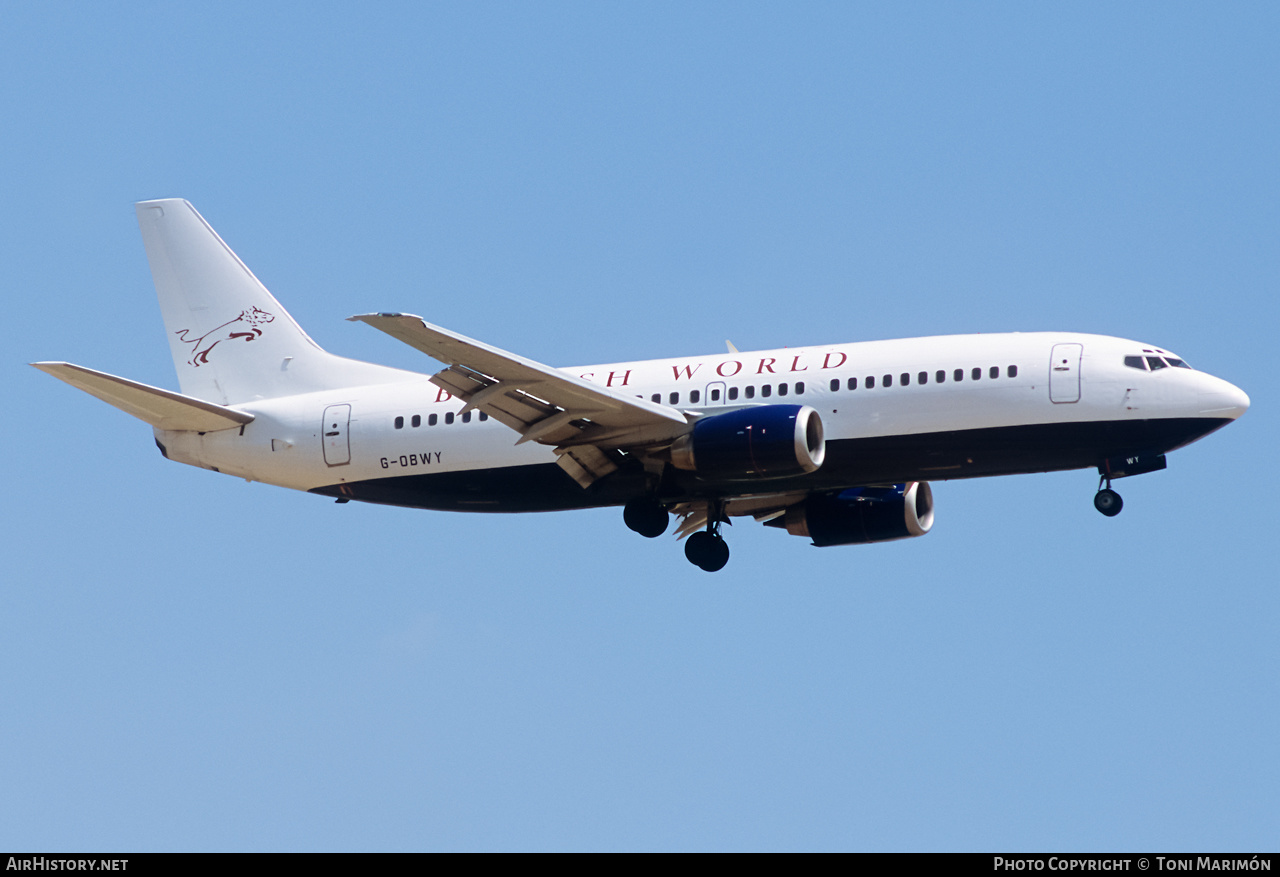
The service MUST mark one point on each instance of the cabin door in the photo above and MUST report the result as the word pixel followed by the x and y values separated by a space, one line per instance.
pixel 715 394
pixel 1064 373
pixel 335 432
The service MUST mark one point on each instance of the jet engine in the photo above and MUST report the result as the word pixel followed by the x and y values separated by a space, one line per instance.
pixel 767 441
pixel 862 514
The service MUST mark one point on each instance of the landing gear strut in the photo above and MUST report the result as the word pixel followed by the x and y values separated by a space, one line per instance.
pixel 707 549
pixel 1107 500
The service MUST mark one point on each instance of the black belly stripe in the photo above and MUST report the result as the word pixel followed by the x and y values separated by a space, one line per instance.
pixel 938 456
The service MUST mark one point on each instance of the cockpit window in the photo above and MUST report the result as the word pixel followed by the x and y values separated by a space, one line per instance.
pixel 1155 363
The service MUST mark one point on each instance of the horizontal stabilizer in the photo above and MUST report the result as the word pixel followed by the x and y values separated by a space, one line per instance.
pixel 162 409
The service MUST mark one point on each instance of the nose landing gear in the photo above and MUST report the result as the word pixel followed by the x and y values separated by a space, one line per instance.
pixel 1107 500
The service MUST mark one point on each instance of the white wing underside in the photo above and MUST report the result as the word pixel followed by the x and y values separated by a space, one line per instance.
pixel 586 423
pixel 541 403
pixel 589 425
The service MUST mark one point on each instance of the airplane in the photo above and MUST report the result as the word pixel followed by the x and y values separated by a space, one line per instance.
pixel 835 443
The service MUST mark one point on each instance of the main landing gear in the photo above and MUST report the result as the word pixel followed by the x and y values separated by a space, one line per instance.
pixel 707 549
pixel 646 517
pixel 1107 500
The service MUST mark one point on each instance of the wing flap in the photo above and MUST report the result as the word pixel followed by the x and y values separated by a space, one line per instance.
pixel 163 409
pixel 763 507
pixel 587 465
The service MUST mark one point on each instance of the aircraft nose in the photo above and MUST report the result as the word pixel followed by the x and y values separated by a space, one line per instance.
pixel 1224 400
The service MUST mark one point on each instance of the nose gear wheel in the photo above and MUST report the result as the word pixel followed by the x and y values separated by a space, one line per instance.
pixel 1107 500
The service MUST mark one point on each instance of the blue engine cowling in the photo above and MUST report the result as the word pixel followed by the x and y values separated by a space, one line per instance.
pixel 767 441
pixel 862 514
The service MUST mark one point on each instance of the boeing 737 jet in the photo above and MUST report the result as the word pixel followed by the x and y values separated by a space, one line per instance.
pixel 834 443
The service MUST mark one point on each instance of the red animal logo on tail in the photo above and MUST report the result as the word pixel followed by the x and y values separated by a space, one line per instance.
pixel 243 328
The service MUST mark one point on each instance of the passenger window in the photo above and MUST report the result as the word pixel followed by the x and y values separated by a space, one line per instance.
pixel 799 388
pixel 1013 371
pixel 871 382
pixel 466 417
pixel 657 397
pixel 695 396
pixel 835 384
pixel 416 421
pixel 674 398
pixel 887 382
pixel 399 423
pixel 751 392
pixel 715 395
pixel 958 375
pixel 904 380
pixel 976 374
pixel 1155 362
pixel 995 372
pixel 483 417
pixel 940 376
pixel 766 391
pixel 922 378
pixel 852 383
pixel 733 393
pixel 432 420
pixel 782 389
pixel 448 417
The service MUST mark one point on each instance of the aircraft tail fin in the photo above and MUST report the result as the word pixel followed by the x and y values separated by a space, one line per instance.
pixel 231 340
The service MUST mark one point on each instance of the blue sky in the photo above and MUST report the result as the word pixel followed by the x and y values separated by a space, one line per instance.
pixel 190 662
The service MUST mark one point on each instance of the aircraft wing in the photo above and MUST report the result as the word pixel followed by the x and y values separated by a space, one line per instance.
pixel 541 403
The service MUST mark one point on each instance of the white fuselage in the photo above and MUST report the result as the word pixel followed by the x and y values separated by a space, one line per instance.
pixel 1005 381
